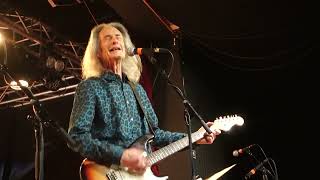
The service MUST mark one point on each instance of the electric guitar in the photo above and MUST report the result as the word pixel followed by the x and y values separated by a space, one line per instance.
pixel 90 170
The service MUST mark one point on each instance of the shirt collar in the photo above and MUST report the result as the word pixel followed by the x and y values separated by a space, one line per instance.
pixel 111 76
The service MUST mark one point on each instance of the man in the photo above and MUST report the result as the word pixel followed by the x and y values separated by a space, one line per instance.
pixel 106 118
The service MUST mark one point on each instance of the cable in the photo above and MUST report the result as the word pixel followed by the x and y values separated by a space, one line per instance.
pixel 264 154
pixel 171 67
pixel 275 168
pixel 172 63
pixel 205 49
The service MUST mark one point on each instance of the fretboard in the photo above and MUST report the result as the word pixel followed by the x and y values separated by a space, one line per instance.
pixel 172 148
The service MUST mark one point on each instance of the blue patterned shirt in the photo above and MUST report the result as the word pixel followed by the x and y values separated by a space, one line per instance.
pixel 106 119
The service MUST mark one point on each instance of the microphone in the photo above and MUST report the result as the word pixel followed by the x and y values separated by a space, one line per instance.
pixel 239 152
pixel 145 51
pixel 255 169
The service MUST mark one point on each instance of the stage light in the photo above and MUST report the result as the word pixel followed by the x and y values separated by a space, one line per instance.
pixel 56 64
pixel 59 65
pixel 14 85
pixel 53 74
pixel 50 62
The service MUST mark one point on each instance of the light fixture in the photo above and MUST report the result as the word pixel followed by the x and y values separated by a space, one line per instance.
pixel 59 65
pixel 14 85
pixel 50 62
pixel 53 74
pixel 54 63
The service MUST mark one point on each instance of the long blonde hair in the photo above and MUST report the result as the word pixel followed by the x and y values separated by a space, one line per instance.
pixel 91 65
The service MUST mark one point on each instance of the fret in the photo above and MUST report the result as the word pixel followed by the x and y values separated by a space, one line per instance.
pixel 172 148
pixel 221 123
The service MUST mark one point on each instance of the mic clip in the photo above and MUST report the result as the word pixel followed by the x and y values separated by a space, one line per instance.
pixel 259 167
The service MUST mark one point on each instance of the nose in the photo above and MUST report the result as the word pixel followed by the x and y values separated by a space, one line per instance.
pixel 114 40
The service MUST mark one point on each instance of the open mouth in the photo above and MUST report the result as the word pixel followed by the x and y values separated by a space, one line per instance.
pixel 115 49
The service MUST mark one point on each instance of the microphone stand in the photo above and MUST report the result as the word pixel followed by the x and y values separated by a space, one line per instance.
pixel 187 109
pixel 264 173
pixel 41 117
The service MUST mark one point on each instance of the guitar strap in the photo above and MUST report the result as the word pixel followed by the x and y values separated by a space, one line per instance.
pixel 133 86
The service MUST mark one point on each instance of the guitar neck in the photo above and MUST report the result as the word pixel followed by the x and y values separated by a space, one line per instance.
pixel 172 148
pixel 222 123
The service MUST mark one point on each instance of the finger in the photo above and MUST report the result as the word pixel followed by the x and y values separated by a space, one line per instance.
pixel 209 139
pixel 209 123
pixel 142 164
pixel 147 162
pixel 217 131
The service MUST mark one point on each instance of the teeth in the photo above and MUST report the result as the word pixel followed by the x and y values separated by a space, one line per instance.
pixel 115 49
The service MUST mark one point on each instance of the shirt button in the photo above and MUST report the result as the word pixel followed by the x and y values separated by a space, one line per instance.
pixel 127 102
pixel 131 119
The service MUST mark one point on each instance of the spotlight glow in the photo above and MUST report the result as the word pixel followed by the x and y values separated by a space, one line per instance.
pixel 14 85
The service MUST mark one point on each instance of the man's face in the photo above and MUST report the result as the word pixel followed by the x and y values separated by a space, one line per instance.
pixel 111 46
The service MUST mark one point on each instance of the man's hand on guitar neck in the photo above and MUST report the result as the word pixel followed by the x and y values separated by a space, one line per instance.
pixel 208 138
pixel 135 160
